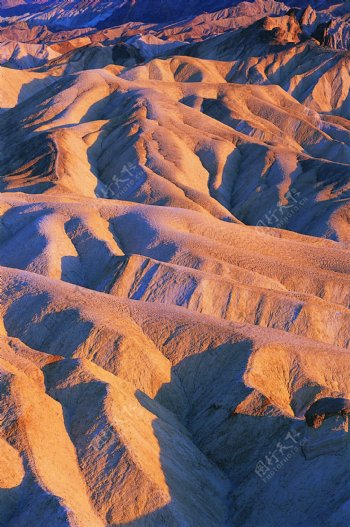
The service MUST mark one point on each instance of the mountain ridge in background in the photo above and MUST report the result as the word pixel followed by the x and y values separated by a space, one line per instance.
pixel 105 13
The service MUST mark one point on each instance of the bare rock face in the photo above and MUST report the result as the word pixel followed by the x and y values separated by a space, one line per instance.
pixel 334 34
pixel 174 264
pixel 282 30
pixel 328 428
pixel 325 408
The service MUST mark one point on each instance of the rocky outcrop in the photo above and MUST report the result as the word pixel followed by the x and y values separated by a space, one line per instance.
pixel 324 408
pixel 334 34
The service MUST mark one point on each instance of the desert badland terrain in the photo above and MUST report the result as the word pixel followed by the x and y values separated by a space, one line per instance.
pixel 174 263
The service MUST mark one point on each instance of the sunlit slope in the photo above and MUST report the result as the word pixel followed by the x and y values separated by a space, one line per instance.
pixel 230 150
